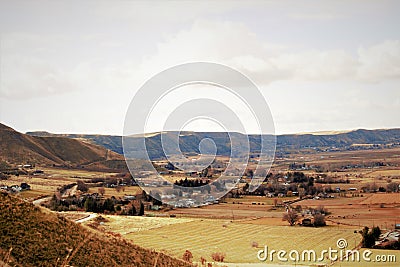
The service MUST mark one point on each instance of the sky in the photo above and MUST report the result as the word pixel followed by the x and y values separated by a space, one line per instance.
pixel 74 66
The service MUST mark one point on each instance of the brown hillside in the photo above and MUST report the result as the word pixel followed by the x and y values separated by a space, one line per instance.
pixel 38 237
pixel 21 148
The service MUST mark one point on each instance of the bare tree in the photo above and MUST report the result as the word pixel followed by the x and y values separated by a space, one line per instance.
pixel 187 256
pixel 291 217
pixel 393 187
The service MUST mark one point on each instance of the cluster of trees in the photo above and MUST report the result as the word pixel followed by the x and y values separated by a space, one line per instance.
pixel 369 237
pixel 331 180
pixel 292 215
pixel 99 206
pixel 95 204
pixel 191 182
pixel 295 182
pixel 373 187
pixel 131 210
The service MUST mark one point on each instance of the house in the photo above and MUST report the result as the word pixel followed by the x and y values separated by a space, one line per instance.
pixel 36 172
pixel 307 222
pixel 129 198
pixel 15 188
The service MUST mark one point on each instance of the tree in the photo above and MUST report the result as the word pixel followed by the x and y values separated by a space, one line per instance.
pixel 376 232
pixel 393 187
pixel 90 205
pixel 291 217
pixel 108 205
pixel 319 220
pixel 141 211
pixel 131 210
pixel 373 187
pixel 82 186
pixel 368 240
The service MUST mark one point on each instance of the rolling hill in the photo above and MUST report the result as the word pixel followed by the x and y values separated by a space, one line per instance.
pixel 34 236
pixel 189 141
pixel 22 148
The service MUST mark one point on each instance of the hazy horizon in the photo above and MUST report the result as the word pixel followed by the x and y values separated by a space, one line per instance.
pixel 327 132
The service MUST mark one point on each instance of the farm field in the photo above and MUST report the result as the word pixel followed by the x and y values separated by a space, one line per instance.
pixel 39 185
pixel 74 173
pixel 47 183
pixel 236 240
pixel 379 209
pixel 382 199
pixel 229 211
pixel 109 192
pixel 131 224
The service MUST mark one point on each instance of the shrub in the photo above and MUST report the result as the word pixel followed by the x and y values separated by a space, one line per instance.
pixel 218 256
pixel 187 256
pixel 291 217
pixel 319 220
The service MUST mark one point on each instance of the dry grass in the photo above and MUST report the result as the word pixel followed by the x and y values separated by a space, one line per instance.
pixel 130 224
pixel 40 238
pixel 393 198
pixel 205 237
pixel 125 190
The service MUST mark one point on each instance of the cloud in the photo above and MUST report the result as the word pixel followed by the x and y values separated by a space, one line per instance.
pixel 37 65
pixel 34 65
pixel 236 45
pixel 313 16
pixel 27 77
pixel 381 61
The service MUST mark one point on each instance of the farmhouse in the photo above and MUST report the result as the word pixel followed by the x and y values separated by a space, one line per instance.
pixel 307 222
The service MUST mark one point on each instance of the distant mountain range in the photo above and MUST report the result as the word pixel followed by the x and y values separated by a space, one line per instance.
pixel 21 148
pixel 189 141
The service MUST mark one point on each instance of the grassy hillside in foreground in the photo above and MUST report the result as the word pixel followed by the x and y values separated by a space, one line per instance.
pixel 41 238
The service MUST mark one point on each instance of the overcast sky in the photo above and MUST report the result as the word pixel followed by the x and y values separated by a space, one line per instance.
pixel 74 66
